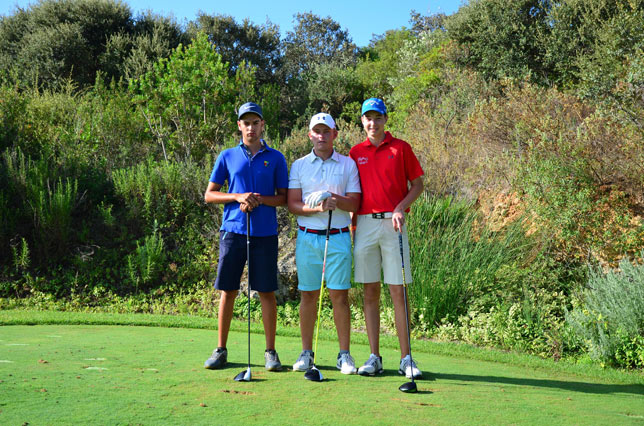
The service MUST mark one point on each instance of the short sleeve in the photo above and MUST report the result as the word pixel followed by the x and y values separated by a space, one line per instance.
pixel 413 170
pixel 353 184
pixel 294 181
pixel 281 178
pixel 220 171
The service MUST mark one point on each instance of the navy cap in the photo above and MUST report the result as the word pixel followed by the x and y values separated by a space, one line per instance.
pixel 250 107
pixel 374 104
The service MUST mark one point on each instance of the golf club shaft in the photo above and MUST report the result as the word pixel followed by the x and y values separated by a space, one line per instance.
pixel 248 260
pixel 317 325
pixel 402 260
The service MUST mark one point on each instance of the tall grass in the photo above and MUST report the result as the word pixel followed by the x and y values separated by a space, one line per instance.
pixel 452 259
pixel 38 193
pixel 162 192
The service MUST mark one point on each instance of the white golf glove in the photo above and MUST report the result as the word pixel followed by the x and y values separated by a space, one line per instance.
pixel 316 198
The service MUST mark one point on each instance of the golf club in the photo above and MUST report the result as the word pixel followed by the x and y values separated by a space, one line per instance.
pixel 409 387
pixel 245 376
pixel 313 373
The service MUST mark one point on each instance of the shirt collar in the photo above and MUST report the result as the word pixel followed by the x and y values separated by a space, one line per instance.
pixel 312 157
pixel 388 138
pixel 263 143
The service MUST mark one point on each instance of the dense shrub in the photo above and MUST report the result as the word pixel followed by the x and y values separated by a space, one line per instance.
pixel 574 165
pixel 609 320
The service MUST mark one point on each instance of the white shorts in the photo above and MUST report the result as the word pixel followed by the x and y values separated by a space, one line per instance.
pixel 376 248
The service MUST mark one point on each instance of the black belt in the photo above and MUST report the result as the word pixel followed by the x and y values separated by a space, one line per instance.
pixel 323 231
pixel 382 215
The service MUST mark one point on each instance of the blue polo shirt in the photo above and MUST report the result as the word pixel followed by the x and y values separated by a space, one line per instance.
pixel 262 173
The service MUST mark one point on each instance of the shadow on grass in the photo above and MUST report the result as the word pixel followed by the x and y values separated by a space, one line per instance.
pixel 583 387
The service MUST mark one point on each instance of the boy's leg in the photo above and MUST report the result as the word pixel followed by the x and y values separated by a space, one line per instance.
pixel 308 311
pixel 226 304
pixel 269 317
pixel 372 315
pixel 398 298
pixel 341 316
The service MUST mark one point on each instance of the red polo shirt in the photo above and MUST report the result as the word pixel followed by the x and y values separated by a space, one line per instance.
pixel 385 171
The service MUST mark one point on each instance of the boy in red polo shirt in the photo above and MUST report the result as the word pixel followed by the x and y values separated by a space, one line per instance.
pixel 391 180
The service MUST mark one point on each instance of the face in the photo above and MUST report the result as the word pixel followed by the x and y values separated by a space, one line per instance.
pixel 374 124
pixel 322 137
pixel 251 127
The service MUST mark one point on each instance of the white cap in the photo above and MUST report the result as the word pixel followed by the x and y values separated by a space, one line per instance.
pixel 322 118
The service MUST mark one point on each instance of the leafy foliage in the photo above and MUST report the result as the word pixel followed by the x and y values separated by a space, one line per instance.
pixel 610 318
pixel 189 100
pixel 501 38
pixel 245 42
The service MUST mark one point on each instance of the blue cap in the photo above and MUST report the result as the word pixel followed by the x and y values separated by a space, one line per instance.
pixel 250 107
pixel 374 104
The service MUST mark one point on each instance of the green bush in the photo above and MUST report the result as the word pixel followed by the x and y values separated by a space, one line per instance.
pixel 522 309
pixel 609 321
pixel 147 262
pixel 162 192
pixel 44 203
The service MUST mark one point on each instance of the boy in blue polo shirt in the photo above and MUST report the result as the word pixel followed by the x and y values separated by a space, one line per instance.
pixel 257 179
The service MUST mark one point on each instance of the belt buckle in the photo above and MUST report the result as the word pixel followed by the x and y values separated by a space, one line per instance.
pixel 378 215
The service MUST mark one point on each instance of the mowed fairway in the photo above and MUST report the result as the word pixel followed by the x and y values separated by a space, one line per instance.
pixel 105 374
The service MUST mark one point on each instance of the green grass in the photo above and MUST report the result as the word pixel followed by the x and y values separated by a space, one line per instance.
pixel 75 368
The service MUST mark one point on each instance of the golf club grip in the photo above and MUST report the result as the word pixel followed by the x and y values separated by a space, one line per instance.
pixel 402 252
pixel 328 227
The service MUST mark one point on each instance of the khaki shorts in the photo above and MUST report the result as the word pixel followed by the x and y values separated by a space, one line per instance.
pixel 376 248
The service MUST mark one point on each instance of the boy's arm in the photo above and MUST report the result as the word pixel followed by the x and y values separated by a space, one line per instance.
pixel 398 217
pixel 216 196
pixel 348 203
pixel 273 200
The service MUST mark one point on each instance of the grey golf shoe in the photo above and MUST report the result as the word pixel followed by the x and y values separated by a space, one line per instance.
pixel 346 364
pixel 408 368
pixel 372 367
pixel 217 360
pixel 304 361
pixel 272 360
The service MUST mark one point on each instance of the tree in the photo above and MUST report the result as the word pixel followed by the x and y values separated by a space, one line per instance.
pixel 380 62
pixel 591 41
pixel 331 87
pixel 503 38
pixel 421 24
pixel 131 55
pixel 57 39
pixel 189 99
pixel 315 40
pixel 245 42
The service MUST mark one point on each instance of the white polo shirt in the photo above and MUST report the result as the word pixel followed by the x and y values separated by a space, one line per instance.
pixel 338 174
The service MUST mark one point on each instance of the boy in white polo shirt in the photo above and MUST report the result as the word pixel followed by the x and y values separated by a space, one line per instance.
pixel 321 181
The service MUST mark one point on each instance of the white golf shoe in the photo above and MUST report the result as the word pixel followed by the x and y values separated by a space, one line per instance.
pixel 408 367
pixel 304 361
pixel 372 367
pixel 346 364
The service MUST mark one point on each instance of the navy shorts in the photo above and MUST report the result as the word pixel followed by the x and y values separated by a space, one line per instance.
pixel 232 258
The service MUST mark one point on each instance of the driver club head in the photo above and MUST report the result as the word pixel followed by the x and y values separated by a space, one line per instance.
pixel 243 376
pixel 409 387
pixel 313 374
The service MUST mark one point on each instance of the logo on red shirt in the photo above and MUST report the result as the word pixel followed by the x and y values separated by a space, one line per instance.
pixel 363 160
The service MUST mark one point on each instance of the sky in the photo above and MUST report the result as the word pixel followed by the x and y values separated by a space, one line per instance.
pixel 361 19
